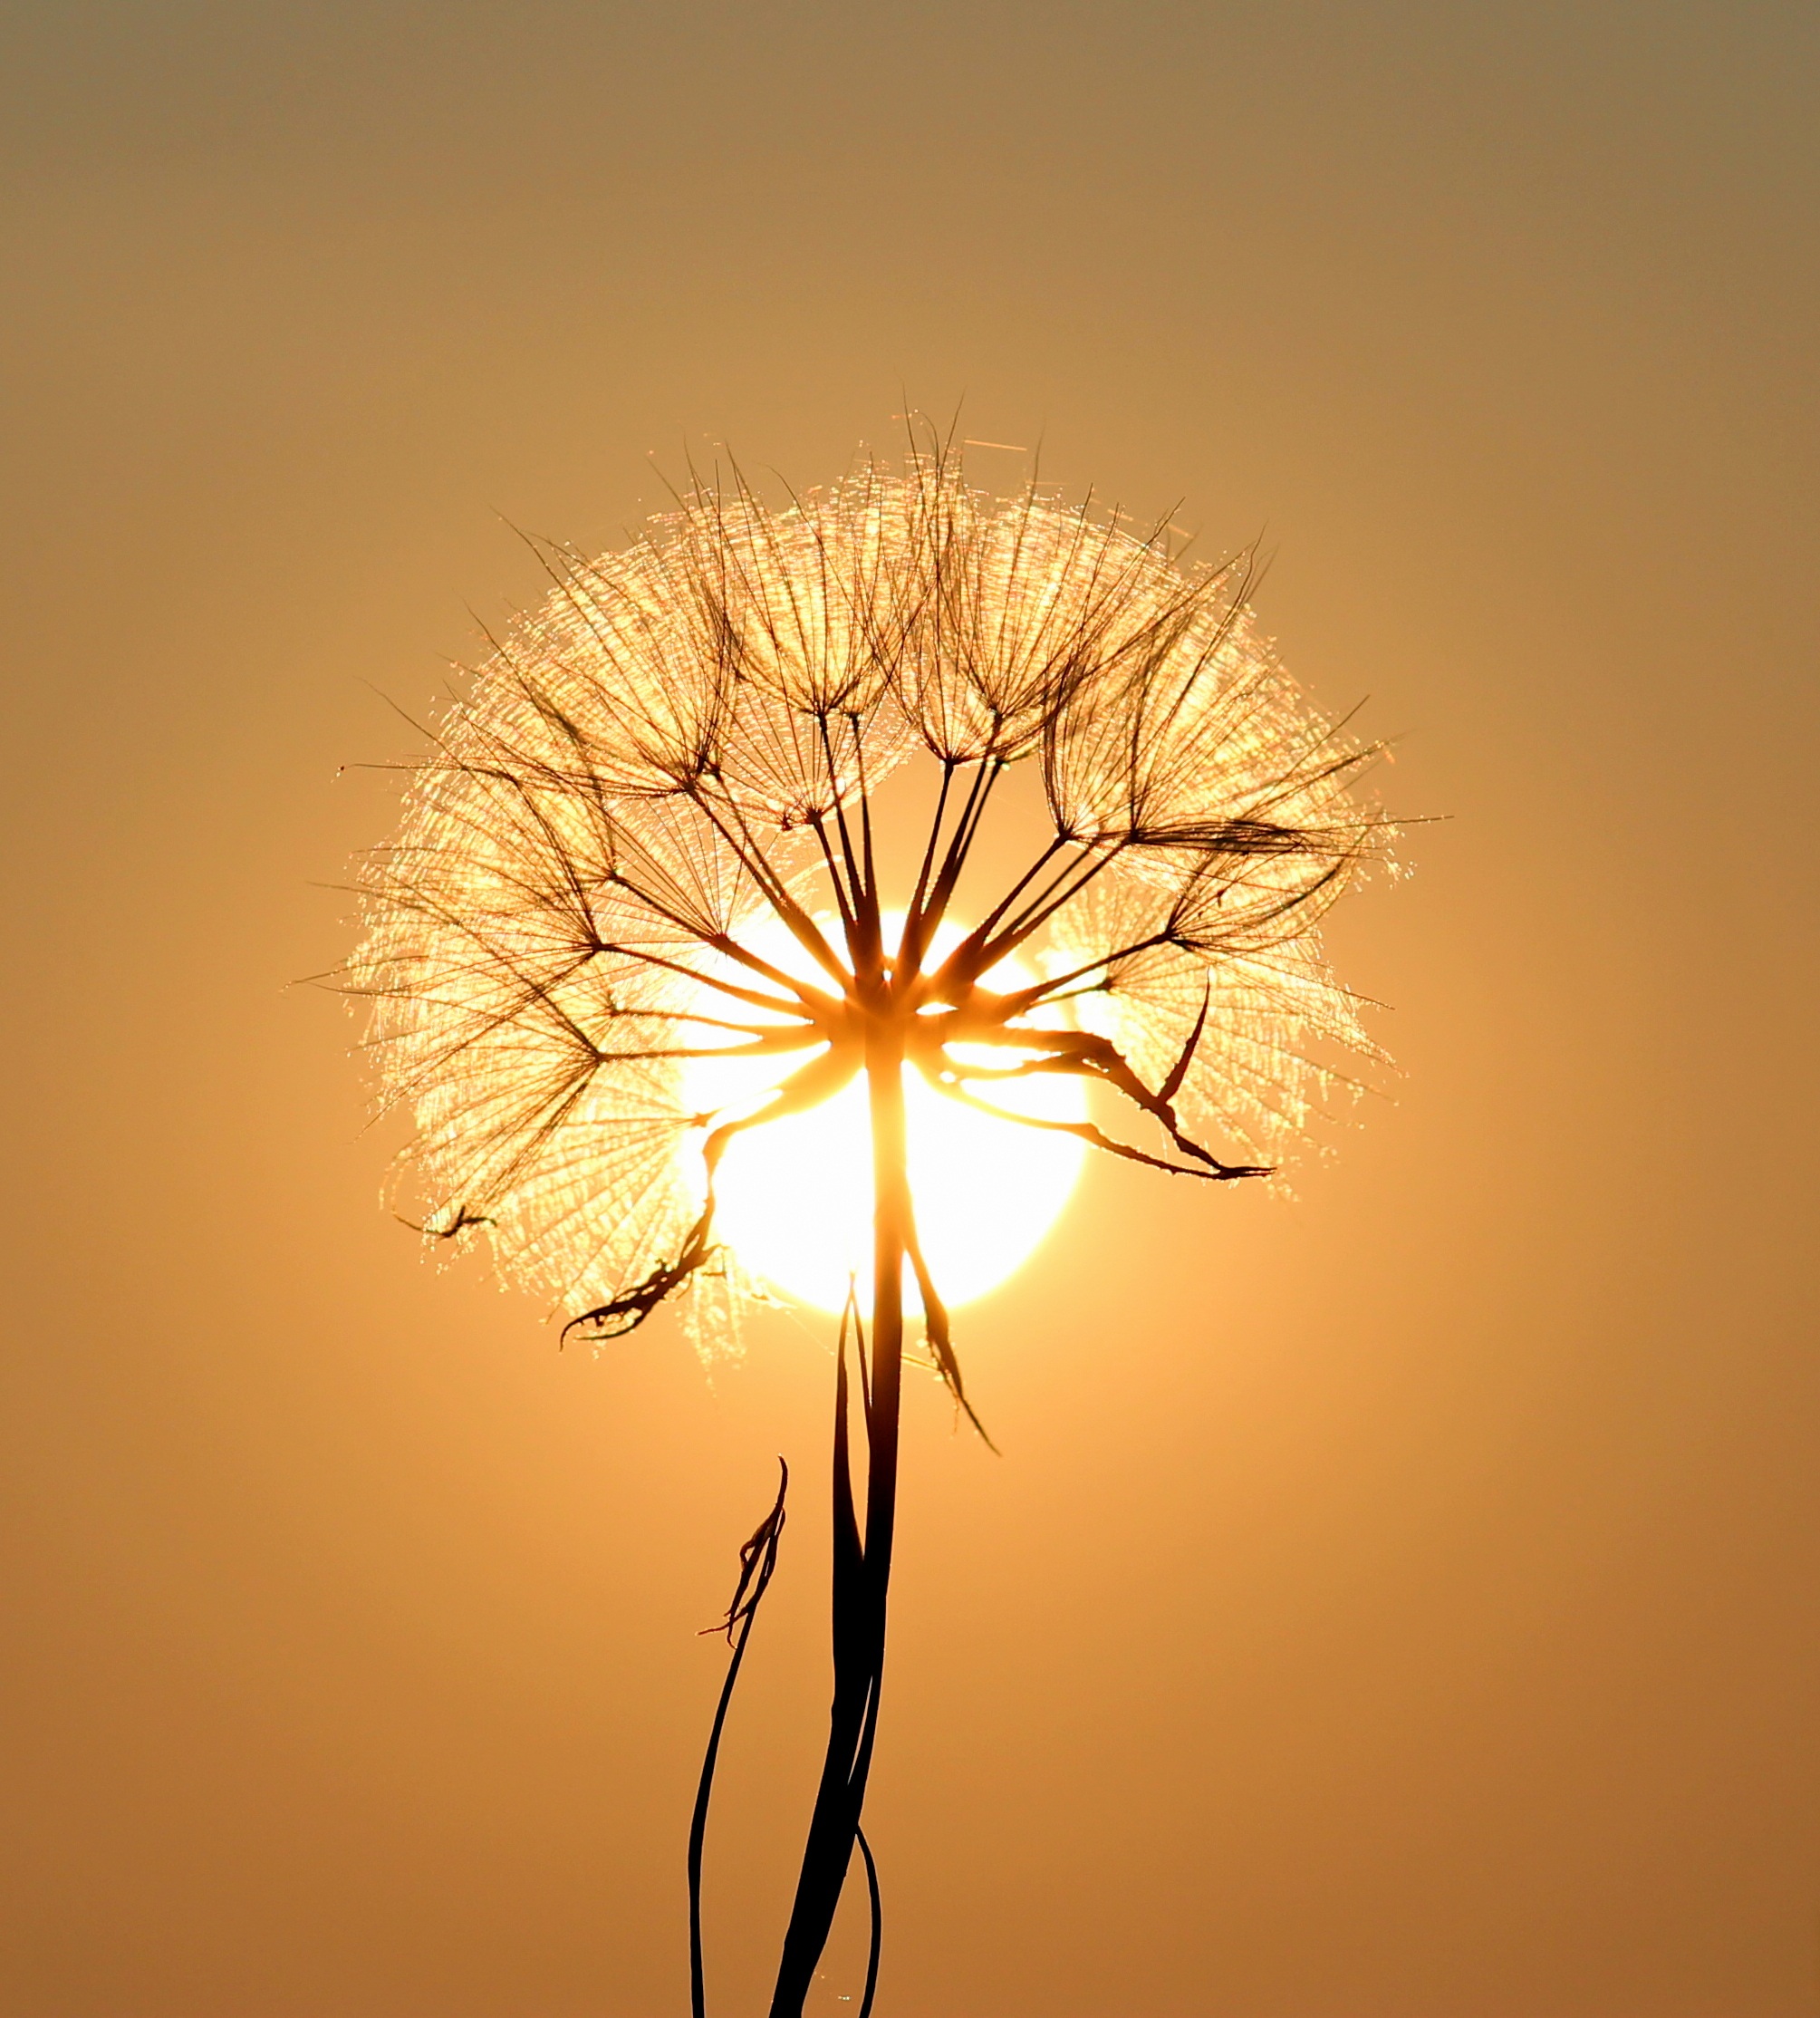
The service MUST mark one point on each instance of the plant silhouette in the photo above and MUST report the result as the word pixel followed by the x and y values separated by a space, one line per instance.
pixel 683 749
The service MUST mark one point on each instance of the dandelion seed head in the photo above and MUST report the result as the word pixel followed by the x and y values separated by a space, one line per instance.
pixel 681 746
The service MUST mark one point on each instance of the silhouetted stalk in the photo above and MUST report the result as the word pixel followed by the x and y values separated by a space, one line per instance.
pixel 758 1561
pixel 863 1567
pixel 878 1941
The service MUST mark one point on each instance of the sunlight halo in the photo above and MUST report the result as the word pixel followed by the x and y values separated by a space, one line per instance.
pixel 795 1195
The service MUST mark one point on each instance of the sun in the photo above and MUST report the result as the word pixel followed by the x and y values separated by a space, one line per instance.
pixel 794 1197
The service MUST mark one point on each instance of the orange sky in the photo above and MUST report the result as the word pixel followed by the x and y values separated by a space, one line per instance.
pixel 1395 1604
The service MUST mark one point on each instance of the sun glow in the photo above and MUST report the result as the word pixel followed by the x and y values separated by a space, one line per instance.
pixel 794 1196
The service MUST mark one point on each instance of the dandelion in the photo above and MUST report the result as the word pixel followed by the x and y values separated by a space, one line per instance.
pixel 646 848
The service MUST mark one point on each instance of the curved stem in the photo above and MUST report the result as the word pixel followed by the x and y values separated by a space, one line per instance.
pixel 862 1562
pixel 877 1926
pixel 757 1561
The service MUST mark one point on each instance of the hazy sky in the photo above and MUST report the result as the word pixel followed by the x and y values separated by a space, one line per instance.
pixel 1397 1603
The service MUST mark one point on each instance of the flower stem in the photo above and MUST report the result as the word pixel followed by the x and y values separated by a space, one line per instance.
pixel 862 1565
pixel 757 1561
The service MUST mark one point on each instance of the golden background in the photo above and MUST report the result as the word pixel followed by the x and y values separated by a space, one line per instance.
pixel 1398 1604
